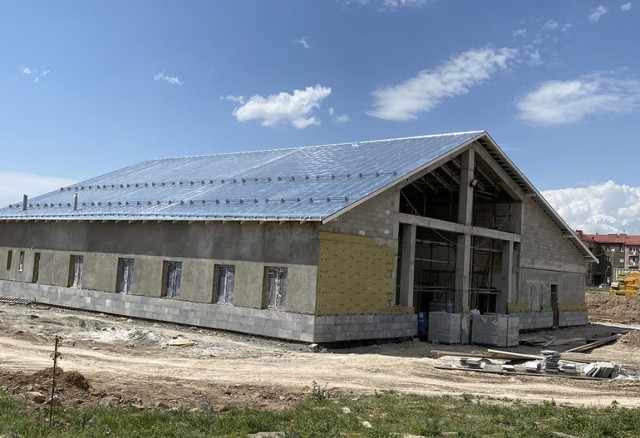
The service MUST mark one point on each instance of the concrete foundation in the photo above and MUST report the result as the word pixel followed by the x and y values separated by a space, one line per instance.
pixel 269 323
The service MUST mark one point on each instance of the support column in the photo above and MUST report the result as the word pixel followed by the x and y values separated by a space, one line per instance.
pixel 507 294
pixel 407 264
pixel 465 203
pixel 518 217
pixel 465 216
pixel 463 271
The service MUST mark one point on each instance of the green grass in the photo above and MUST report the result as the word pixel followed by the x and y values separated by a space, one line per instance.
pixel 388 413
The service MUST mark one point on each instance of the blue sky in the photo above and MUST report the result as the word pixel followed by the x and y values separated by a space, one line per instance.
pixel 89 87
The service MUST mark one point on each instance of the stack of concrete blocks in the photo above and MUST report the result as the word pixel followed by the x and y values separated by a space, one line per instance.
pixel 445 328
pixel 495 330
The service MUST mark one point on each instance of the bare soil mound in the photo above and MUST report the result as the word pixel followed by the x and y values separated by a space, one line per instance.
pixel 630 340
pixel 71 387
pixel 613 308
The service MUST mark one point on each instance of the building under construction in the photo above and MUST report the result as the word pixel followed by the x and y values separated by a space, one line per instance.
pixel 320 244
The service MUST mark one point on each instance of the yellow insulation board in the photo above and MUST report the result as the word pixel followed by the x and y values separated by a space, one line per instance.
pixel 354 276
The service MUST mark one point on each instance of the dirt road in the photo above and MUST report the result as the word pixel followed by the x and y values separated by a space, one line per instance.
pixel 128 362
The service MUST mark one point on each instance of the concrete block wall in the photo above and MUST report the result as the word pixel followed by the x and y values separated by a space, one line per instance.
pixel 534 320
pixel 547 257
pixel 376 218
pixel 268 323
pixel 337 328
pixel 544 245
pixel 574 317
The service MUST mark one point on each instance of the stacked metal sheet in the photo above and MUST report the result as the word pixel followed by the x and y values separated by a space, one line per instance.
pixel 551 359
pixel 602 369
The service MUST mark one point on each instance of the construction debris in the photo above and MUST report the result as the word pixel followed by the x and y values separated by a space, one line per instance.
pixel 181 344
pixel 14 300
pixel 548 363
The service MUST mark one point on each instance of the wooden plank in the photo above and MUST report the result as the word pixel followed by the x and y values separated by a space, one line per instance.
pixel 595 344
pixel 509 355
pixel 456 353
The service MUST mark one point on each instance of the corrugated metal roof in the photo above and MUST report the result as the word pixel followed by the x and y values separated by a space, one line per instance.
pixel 307 183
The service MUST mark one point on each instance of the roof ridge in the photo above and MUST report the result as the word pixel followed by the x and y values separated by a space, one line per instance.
pixel 293 148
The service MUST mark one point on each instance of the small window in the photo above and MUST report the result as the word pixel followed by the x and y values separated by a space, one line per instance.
pixel 276 287
pixel 125 276
pixel 75 271
pixel 36 267
pixel 224 278
pixel 171 282
pixel 9 259
pixel 21 262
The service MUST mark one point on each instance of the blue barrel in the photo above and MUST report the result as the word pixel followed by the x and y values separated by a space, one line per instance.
pixel 422 322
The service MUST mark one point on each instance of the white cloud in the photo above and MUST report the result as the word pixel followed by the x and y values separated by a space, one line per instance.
pixel 391 4
pixel 428 88
pixel 34 71
pixel 173 80
pixel 562 102
pixel 283 107
pixel 626 7
pixel 599 208
pixel 236 99
pixel 519 33
pixel 597 13
pixel 534 57
pixel 303 42
pixel 405 3
pixel 554 25
pixel 338 118
pixel 14 184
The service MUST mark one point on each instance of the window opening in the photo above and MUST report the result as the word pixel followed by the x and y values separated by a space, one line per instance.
pixel 21 261
pixel 36 267
pixel 125 276
pixel 225 276
pixel 9 258
pixel 276 287
pixel 75 271
pixel 172 277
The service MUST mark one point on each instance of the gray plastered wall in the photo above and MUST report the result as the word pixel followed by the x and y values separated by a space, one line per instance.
pixel 99 271
pixel 292 243
pixel 197 280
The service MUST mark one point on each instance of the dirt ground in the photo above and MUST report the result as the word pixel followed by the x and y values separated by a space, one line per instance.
pixel 117 361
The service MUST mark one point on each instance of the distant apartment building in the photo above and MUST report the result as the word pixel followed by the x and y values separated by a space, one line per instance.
pixel 616 253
